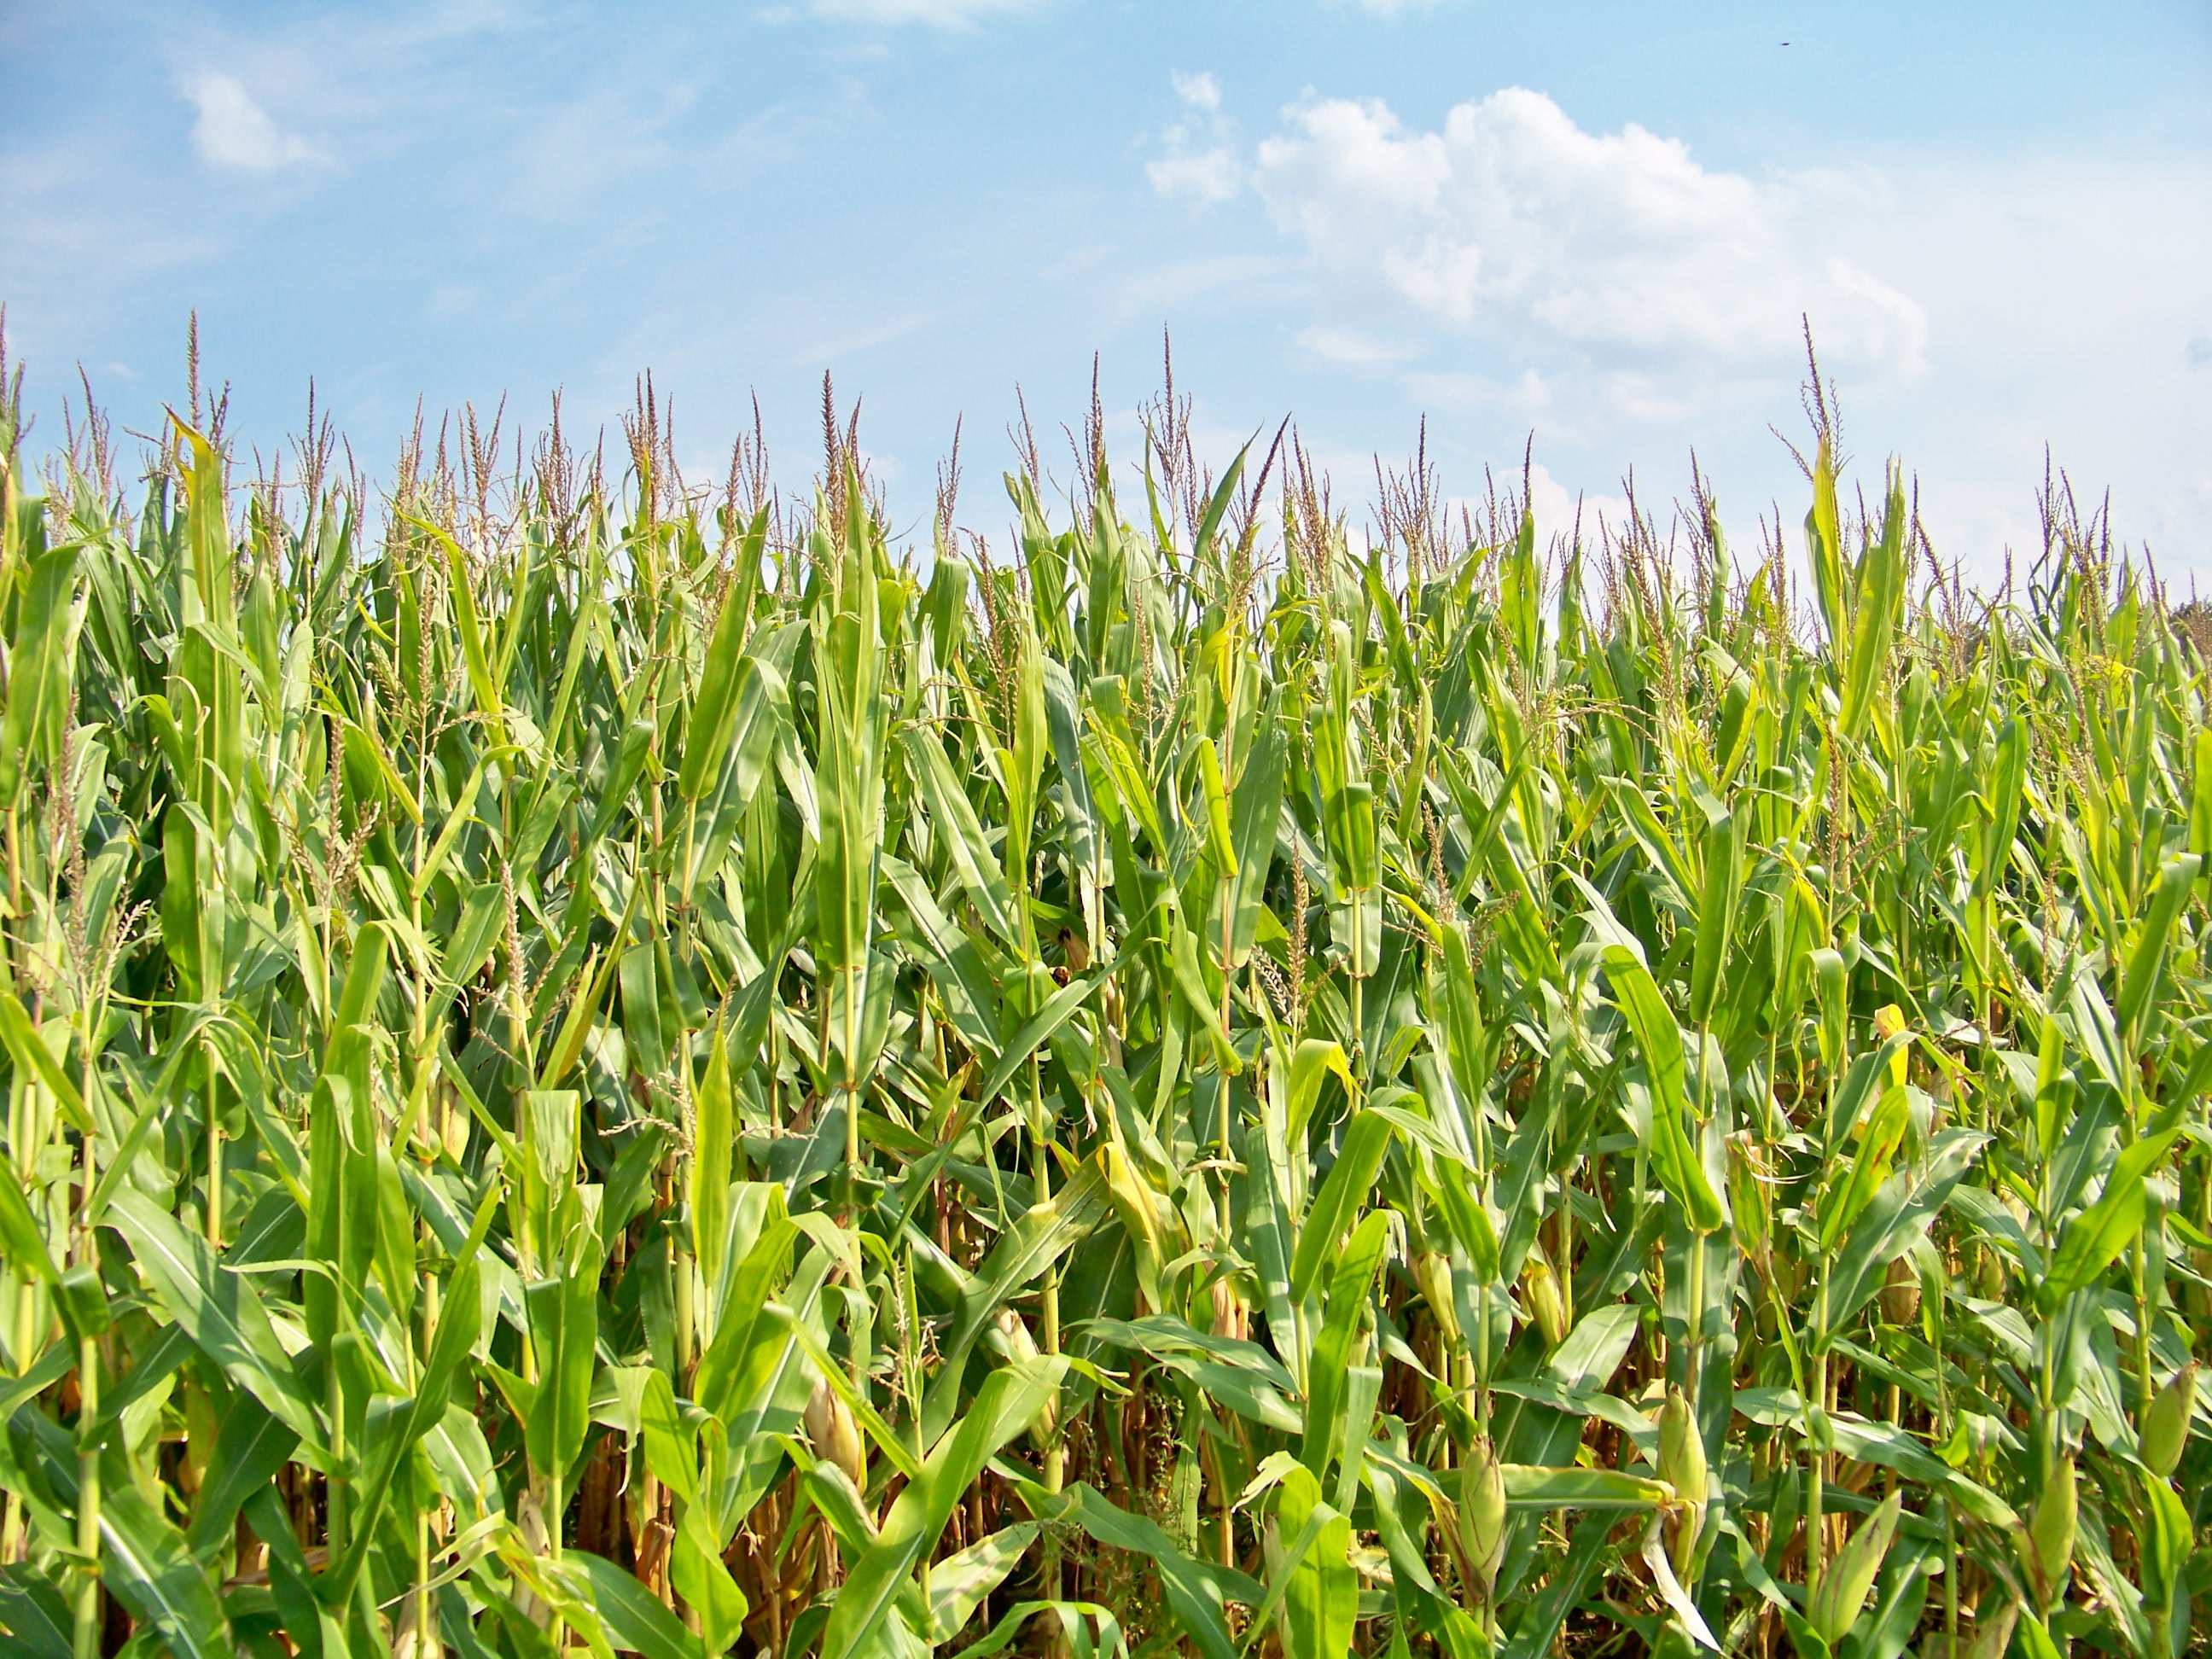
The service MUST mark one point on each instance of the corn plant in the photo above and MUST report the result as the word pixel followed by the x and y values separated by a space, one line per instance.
pixel 595 1064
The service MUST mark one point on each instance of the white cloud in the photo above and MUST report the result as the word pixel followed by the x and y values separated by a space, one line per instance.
pixel 448 301
pixel 575 151
pixel 231 130
pixel 1511 215
pixel 836 341
pixel 1641 397
pixel 1524 397
pixel 2029 347
pixel 1629 302
pixel 1200 164
pixel 1206 175
pixel 1151 292
pixel 1556 506
pixel 1351 347
pixel 934 14
pixel 1200 91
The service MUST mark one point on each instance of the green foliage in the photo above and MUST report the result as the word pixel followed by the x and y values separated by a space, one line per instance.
pixel 598 1070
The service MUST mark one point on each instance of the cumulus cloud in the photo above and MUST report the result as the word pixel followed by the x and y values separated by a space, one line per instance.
pixel 1200 161
pixel 231 130
pixel 1511 215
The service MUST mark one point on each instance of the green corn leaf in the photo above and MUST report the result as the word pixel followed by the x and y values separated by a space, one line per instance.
pixel 634 1621
pixel 1717 912
pixel 564 1329
pixel 219 1310
pixel 1219 841
pixel 490 704
pixel 1006 1403
pixel 1674 1157
pixel 144 1560
pixel 961 1582
pixel 1256 810
pixel 1530 1487
pixel 1198 1592
pixel 250 1449
pixel 715 716
pixel 1881 595
pixel 961 833
pixel 41 654
pixel 1320 1591
pixel 19 1229
pixel 1045 1233
pixel 1343 1194
pixel 2093 1239
pixel 33 1058
pixel 33 1613
pixel 2147 962
pixel 2004 793
pixel 1835 1607
pixel 1331 1430
pixel 1897 1215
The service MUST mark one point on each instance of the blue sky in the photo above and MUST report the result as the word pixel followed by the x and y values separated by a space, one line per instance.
pixel 1598 224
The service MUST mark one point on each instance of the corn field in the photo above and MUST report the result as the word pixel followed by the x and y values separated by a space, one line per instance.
pixel 596 1065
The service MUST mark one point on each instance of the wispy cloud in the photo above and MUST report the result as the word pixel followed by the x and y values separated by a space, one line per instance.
pixel 1351 347
pixel 1200 163
pixel 231 130
pixel 932 13
pixel 573 152
pixel 1523 398
pixel 1208 175
pixel 1170 287
pixel 1201 91
pixel 78 242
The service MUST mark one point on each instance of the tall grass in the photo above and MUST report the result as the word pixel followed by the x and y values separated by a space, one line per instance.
pixel 595 1064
